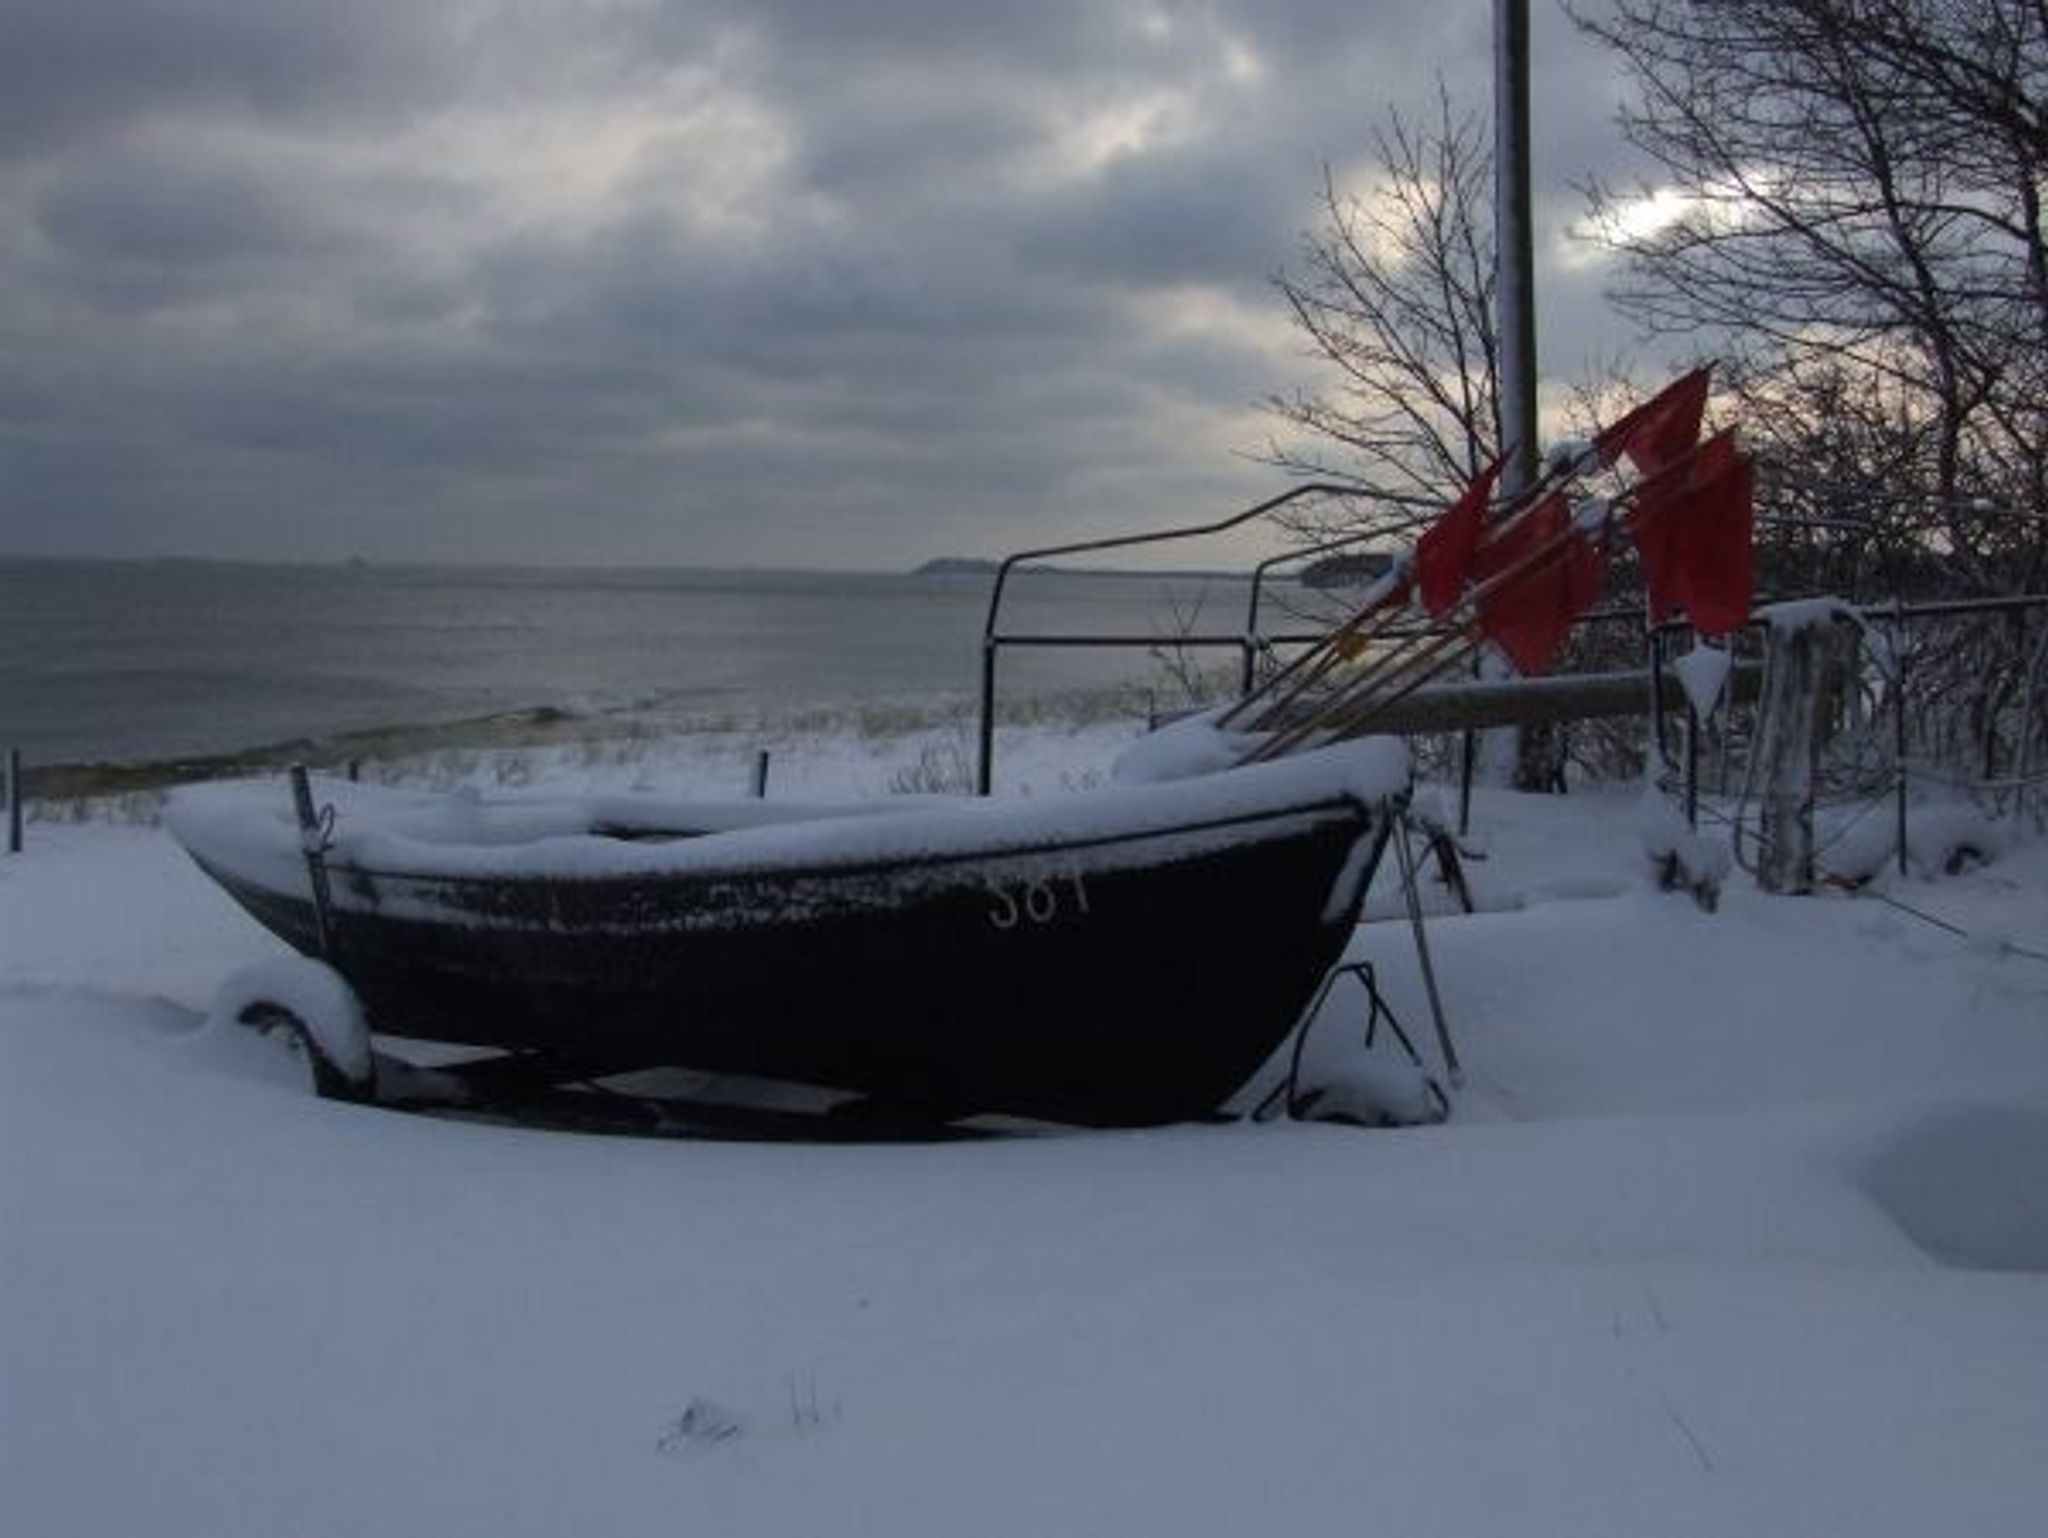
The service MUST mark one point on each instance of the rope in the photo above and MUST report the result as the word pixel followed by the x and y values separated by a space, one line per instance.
pixel 2005 946
pixel 1860 888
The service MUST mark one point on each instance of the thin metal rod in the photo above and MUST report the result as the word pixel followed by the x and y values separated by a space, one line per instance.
pixel 1468 768
pixel 1056 640
pixel 1165 536
pixel 1346 638
pixel 1899 726
pixel 1436 1004
pixel 985 757
pixel 1658 741
pixel 1310 669
pixel 992 640
pixel 1355 704
pixel 1692 766
pixel 313 838
pixel 1259 572
pixel 1407 668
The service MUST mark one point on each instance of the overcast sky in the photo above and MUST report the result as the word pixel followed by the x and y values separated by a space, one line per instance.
pixel 782 282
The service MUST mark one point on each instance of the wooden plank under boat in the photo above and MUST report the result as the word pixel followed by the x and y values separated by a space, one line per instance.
pixel 1118 957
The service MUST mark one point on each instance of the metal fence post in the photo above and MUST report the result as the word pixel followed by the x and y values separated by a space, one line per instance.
pixel 985 764
pixel 313 838
pixel 1692 765
pixel 1899 649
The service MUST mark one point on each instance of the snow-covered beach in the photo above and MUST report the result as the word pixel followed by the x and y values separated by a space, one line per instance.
pixel 1740 1224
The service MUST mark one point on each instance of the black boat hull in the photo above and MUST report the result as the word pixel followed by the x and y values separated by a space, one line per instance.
pixel 1111 980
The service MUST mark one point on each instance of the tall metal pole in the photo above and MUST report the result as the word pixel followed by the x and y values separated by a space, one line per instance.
pixel 1514 242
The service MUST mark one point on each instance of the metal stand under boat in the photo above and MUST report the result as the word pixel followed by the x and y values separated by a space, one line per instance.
pixel 1382 1091
pixel 1371 1091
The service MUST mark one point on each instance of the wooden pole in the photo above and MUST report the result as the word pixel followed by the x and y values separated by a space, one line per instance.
pixel 1796 720
pixel 1460 704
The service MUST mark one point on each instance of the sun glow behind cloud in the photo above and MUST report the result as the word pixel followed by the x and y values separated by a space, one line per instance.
pixel 1588 242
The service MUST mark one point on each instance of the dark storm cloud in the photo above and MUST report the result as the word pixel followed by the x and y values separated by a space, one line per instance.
pixel 782 281
pixel 92 67
pixel 147 229
pixel 1205 213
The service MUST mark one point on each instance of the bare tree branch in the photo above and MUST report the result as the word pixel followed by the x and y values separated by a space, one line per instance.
pixel 1853 191
pixel 1393 293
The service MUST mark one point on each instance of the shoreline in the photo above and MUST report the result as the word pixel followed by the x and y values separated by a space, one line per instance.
pixel 86 778
pixel 920 743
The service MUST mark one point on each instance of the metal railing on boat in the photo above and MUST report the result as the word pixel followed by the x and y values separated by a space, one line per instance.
pixel 1248 642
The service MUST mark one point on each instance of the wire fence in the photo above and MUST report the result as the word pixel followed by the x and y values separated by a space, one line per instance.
pixel 1923 706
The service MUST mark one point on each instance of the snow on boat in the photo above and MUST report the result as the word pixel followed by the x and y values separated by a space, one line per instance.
pixel 1120 957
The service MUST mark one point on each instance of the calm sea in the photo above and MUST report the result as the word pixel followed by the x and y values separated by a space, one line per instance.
pixel 130 662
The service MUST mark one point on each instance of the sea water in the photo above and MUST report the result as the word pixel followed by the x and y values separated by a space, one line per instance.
pixel 133 662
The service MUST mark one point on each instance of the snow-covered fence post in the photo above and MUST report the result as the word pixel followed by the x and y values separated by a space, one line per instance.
pixel 1801 668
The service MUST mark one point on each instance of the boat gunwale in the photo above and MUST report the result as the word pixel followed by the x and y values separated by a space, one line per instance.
pixel 1361 808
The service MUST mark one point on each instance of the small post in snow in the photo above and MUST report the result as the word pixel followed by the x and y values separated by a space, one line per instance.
pixel 313 838
pixel 1692 766
pixel 1801 669
pixel 14 800
pixel 761 775
pixel 1899 728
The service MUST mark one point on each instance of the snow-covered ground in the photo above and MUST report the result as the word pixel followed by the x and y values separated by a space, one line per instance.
pixel 1740 1226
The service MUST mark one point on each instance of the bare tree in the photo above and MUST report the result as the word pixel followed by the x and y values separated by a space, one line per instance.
pixel 1394 292
pixel 1849 205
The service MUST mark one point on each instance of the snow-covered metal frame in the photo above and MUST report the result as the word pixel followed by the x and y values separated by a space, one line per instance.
pixel 1248 642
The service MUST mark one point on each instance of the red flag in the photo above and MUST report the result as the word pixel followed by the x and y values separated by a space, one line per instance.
pixel 1443 556
pixel 1658 525
pixel 1720 553
pixel 1540 575
pixel 1663 428
pixel 1693 531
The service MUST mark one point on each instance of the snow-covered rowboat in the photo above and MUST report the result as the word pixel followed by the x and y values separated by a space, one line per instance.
pixel 1125 956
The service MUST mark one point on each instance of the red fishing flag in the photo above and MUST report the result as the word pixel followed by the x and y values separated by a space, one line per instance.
pixel 1693 530
pixel 1658 523
pixel 1538 577
pixel 1663 429
pixel 1443 556
pixel 1720 550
